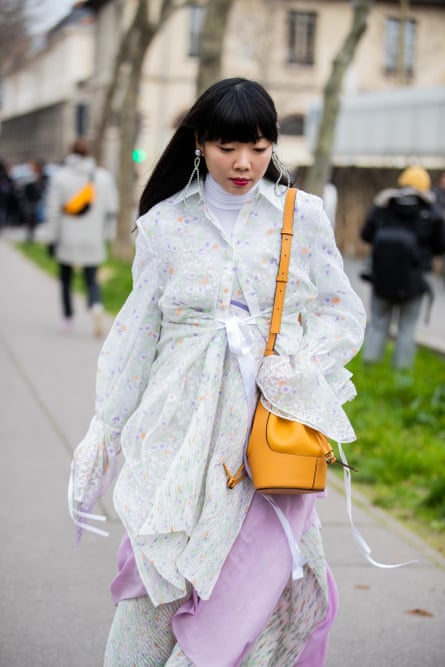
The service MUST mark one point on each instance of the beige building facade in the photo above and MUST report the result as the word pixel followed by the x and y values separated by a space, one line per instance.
pixel 288 45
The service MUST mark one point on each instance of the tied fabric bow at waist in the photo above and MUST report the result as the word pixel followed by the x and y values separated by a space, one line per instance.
pixel 240 341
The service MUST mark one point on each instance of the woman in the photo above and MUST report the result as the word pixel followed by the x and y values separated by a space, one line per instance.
pixel 205 571
pixel 80 240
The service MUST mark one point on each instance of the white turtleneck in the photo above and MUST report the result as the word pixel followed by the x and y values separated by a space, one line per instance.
pixel 223 205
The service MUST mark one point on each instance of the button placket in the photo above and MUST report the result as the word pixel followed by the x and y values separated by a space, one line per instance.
pixel 227 279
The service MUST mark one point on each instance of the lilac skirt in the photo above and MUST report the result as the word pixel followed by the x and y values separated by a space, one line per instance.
pixel 252 580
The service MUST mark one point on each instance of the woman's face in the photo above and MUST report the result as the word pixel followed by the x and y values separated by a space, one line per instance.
pixel 237 166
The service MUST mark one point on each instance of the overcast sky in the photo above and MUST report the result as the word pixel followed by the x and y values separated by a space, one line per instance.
pixel 48 12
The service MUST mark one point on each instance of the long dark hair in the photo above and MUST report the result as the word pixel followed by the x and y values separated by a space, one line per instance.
pixel 230 110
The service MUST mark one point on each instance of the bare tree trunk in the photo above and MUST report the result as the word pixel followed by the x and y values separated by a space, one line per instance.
pixel 319 173
pixel 148 19
pixel 211 43
pixel 107 105
pixel 123 247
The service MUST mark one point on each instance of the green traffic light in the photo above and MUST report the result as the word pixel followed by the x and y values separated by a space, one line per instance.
pixel 139 155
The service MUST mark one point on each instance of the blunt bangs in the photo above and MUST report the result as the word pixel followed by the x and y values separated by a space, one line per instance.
pixel 244 113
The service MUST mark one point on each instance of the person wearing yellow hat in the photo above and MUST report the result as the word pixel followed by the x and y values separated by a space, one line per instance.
pixel 405 230
pixel 415 177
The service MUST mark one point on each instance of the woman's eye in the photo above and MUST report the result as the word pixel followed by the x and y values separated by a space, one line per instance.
pixel 226 149
pixel 260 149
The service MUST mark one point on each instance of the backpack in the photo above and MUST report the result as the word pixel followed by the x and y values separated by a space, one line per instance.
pixel 396 267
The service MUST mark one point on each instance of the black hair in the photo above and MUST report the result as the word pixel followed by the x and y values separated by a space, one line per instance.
pixel 230 110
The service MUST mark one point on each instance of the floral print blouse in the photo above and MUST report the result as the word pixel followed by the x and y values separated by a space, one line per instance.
pixel 172 385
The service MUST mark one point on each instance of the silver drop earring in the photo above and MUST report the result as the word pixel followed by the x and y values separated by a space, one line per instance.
pixel 195 172
pixel 282 171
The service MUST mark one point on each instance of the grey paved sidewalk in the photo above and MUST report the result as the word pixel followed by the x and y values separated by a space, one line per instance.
pixel 55 607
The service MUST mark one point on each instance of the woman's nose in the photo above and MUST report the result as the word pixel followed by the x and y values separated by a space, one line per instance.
pixel 242 159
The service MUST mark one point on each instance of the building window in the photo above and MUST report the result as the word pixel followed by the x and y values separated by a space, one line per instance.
pixel 301 37
pixel 393 43
pixel 81 119
pixel 196 18
pixel 292 125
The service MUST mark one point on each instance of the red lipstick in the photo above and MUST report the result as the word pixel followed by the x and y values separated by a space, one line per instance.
pixel 240 181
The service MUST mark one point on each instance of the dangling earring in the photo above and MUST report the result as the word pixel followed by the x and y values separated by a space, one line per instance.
pixel 195 172
pixel 282 171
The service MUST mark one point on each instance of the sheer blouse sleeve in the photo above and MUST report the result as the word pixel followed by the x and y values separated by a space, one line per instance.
pixel 122 374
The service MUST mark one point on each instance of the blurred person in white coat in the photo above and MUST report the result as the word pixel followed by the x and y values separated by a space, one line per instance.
pixel 78 239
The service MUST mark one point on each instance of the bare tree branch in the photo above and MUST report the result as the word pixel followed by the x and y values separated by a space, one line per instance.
pixel 211 43
pixel 318 175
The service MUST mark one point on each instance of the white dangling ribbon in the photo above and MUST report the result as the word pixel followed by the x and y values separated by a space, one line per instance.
pixel 298 560
pixel 358 538
pixel 77 514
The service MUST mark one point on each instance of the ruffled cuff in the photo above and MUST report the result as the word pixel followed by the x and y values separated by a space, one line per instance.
pixel 304 394
pixel 340 383
pixel 93 469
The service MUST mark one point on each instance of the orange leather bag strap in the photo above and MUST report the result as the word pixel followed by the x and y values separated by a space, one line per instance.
pixel 283 270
